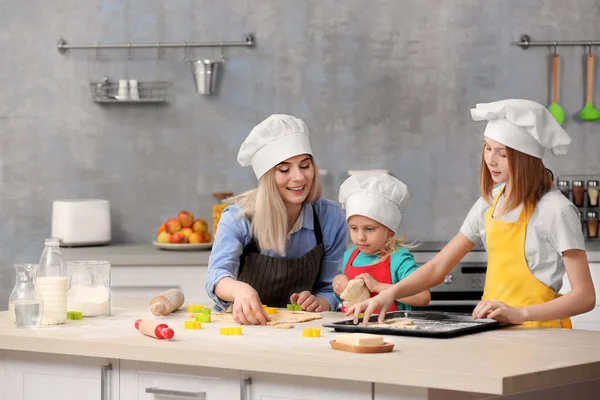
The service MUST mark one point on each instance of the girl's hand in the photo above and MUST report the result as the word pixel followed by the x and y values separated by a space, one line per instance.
pixel 372 284
pixel 308 301
pixel 499 311
pixel 247 308
pixel 380 303
pixel 339 283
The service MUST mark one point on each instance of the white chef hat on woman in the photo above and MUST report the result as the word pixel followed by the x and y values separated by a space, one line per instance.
pixel 274 140
pixel 380 197
pixel 522 125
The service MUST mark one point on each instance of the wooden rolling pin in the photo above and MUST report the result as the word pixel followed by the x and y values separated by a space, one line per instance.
pixel 166 302
pixel 154 329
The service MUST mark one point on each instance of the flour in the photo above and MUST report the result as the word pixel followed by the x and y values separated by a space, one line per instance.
pixel 91 301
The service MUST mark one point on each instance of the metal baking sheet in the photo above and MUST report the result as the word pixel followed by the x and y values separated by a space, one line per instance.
pixel 431 324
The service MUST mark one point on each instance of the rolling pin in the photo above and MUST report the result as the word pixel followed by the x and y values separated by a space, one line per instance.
pixel 154 329
pixel 166 302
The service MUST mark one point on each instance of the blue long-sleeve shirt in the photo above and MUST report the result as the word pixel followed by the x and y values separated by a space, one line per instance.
pixel 233 234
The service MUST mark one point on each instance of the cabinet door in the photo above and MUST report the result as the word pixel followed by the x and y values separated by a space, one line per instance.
pixel 34 376
pixel 145 282
pixel 150 381
pixel 266 386
pixel 397 392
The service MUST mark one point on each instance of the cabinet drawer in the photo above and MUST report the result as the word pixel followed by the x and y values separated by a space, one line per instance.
pixel 148 381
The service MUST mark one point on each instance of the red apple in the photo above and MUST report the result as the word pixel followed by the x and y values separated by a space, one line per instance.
pixel 173 225
pixel 186 218
pixel 200 225
pixel 178 237
pixel 163 237
pixel 186 232
pixel 200 237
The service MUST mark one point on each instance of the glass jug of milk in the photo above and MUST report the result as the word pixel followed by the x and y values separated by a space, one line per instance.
pixel 52 284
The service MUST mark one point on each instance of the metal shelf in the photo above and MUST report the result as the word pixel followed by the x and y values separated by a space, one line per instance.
pixel 149 92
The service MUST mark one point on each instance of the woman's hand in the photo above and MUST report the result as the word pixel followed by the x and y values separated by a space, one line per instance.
pixel 499 311
pixel 247 307
pixel 372 284
pixel 380 303
pixel 308 301
pixel 339 283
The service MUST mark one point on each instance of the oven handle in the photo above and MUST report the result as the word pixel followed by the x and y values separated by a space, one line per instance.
pixel 453 302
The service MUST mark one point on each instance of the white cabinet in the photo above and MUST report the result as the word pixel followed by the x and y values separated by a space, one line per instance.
pixel 136 281
pixel 35 376
pixel 149 381
pixel 591 320
pixel 396 392
pixel 285 387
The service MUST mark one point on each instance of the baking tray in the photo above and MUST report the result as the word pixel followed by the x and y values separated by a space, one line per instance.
pixel 431 324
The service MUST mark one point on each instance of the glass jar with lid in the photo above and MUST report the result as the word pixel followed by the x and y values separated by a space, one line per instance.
pixel 592 224
pixel 565 188
pixel 578 192
pixel 592 192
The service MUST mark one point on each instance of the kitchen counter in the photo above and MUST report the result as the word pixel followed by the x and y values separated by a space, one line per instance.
pixel 148 254
pixel 136 254
pixel 503 361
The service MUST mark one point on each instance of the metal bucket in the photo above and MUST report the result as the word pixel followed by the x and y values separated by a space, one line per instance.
pixel 205 75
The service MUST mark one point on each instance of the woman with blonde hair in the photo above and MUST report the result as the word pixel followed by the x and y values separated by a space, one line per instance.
pixel 531 232
pixel 282 242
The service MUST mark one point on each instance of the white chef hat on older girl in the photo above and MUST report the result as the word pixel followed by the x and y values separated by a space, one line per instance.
pixel 380 197
pixel 274 140
pixel 522 125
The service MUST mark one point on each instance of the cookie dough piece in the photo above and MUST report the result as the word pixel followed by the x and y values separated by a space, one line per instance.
pixel 355 292
pixel 284 326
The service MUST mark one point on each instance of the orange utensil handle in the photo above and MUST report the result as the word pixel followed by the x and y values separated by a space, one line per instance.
pixel 590 78
pixel 555 66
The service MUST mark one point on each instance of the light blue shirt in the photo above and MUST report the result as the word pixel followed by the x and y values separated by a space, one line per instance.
pixel 233 234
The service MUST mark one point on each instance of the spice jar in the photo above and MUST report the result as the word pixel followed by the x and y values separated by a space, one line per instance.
pixel 592 191
pixel 218 208
pixel 565 189
pixel 592 224
pixel 578 193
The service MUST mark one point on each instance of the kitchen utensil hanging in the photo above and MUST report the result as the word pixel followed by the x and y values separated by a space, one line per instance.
pixel 555 109
pixel 589 113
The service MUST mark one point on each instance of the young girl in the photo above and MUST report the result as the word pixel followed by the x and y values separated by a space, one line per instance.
pixel 531 232
pixel 374 206
pixel 282 242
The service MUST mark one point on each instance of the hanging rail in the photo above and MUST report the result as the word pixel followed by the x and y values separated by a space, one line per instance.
pixel 63 46
pixel 525 41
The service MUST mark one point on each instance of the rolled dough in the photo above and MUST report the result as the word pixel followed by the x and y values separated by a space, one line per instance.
pixel 281 317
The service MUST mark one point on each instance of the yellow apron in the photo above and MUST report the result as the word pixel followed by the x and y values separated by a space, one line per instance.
pixel 508 278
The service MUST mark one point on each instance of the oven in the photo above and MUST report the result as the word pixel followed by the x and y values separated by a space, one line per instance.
pixel 461 289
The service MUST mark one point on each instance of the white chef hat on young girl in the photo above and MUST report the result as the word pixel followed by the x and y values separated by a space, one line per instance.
pixel 522 125
pixel 274 140
pixel 380 197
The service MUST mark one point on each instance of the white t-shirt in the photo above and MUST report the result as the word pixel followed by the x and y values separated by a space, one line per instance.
pixel 554 227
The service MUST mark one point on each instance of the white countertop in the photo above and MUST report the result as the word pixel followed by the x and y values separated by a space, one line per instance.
pixel 500 361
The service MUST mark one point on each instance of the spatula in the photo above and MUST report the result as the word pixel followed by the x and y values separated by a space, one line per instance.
pixel 555 109
pixel 589 113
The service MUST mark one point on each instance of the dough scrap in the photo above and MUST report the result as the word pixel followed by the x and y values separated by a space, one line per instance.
pixel 356 291
pixel 284 326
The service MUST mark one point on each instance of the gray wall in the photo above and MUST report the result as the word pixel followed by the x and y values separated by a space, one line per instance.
pixel 379 83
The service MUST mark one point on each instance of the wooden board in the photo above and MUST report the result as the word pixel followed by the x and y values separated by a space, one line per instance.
pixel 380 348
pixel 281 317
